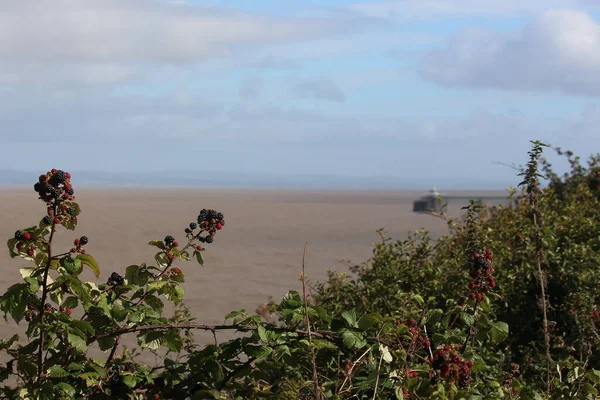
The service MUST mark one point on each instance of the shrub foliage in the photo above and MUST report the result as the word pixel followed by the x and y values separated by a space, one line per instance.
pixel 504 306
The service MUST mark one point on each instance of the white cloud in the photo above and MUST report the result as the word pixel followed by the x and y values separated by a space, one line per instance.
pixel 137 31
pixel 428 9
pixel 557 51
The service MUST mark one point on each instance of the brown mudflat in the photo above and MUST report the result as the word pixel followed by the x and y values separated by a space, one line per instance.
pixel 256 255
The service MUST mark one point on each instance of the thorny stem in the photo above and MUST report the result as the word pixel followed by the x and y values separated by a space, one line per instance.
pixel 167 267
pixel 312 349
pixel 464 347
pixel 40 360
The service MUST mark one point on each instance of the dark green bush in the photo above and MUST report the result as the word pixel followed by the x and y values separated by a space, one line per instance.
pixel 502 307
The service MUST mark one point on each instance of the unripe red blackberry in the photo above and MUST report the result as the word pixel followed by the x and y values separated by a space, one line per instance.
pixel 30 252
pixel 20 246
pixel 175 244
pixel 56 220
pixel 83 240
pixel 187 230
pixel 170 255
pixel 219 226
pixel 82 251
pixel 43 178
pixel 27 236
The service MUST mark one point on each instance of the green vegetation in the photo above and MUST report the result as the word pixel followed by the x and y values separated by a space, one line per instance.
pixel 505 306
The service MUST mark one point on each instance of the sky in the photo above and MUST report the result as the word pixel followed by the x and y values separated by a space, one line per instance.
pixel 434 90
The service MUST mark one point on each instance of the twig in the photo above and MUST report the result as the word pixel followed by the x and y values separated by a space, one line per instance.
pixel 377 379
pixel 312 349
pixel 40 360
pixel 354 364
pixel 464 347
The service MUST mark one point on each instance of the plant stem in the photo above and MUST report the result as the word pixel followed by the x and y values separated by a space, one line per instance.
pixel 464 347
pixel 40 361
pixel 312 349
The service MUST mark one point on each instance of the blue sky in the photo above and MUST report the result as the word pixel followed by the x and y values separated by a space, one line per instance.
pixel 422 88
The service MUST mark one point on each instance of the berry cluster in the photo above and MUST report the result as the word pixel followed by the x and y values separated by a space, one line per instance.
pixel 79 243
pixel 25 243
pixel 55 189
pixel 481 272
pixel 419 340
pixel 514 371
pixel 115 280
pixel 209 221
pixel 452 366
pixel 30 313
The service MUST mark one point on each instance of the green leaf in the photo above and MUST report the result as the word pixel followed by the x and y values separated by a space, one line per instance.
pixel 593 376
pixel 41 259
pixel 468 318
pixel 418 299
pixel 88 260
pixel 262 333
pixel 353 340
pixel 11 243
pixel 199 257
pixel 131 380
pixel 154 302
pixel 72 265
pixel 434 316
pixel 162 259
pixel 84 326
pixel 57 372
pixel 70 302
pixel 368 321
pixel 259 351
pixel 77 342
pixel 350 317
pixel 173 340
pixel 65 389
pixel 499 331
pixel 158 243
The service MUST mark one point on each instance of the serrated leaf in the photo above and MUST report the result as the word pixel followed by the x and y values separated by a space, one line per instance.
pixel 157 243
pixel 259 351
pixel 353 340
pixel 262 333
pixel 499 331
pixel 130 380
pixel 368 321
pixel 88 260
pixel 199 257
pixel 11 243
pixel 154 302
pixel 66 389
pixel 77 342
pixel 350 317
pixel 434 316
pixel 41 259
pixel 57 372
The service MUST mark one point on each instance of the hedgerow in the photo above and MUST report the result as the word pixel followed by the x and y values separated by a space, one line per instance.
pixel 504 306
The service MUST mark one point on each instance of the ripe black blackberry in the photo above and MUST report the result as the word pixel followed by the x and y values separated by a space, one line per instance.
pixel 438 362
pixel 83 240
pixel 193 225
pixel 37 187
pixel 203 216
pixel 70 192
pixel 60 176
pixel 19 235
pixel 463 381
pixel 47 220
pixel 169 239
pixel 482 263
pixel 208 239
pixel 212 214
pixel 70 210
pixel 115 280
pixel 219 216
